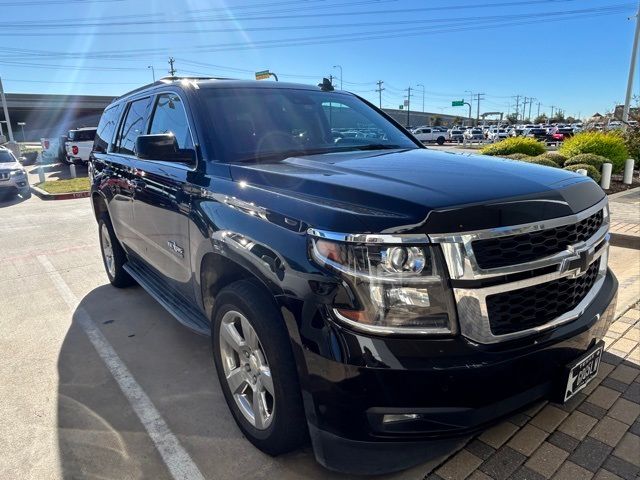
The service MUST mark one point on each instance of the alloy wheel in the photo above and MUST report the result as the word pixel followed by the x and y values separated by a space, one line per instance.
pixel 247 370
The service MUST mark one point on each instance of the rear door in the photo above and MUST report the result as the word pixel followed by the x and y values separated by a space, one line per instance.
pixel 162 202
pixel 121 163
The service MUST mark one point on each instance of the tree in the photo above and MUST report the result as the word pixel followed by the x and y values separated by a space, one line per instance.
pixel 512 118
pixel 540 119
pixel 437 122
pixel 571 119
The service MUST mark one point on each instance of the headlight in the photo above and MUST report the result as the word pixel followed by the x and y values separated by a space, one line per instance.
pixel 18 172
pixel 396 288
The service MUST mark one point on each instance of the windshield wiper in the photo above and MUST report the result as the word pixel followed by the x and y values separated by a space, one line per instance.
pixel 378 146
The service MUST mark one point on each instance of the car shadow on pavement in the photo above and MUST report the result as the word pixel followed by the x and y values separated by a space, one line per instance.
pixel 8 200
pixel 100 435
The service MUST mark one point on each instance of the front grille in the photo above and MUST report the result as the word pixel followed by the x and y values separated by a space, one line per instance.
pixel 514 249
pixel 531 307
pixel 4 176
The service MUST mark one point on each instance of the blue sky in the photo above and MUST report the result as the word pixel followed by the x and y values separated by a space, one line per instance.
pixel 572 54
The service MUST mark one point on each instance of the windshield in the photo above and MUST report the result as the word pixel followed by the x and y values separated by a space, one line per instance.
pixel 258 123
pixel 6 157
pixel 82 135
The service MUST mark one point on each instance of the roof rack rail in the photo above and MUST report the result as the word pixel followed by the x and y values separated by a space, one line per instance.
pixel 164 81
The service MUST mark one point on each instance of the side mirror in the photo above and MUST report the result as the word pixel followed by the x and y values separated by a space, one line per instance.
pixel 162 147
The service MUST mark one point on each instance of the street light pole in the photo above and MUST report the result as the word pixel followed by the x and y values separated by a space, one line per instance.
pixel 6 112
pixel 340 67
pixel 470 106
pixel 153 73
pixel 632 70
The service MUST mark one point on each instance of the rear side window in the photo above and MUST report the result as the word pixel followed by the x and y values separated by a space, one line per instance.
pixel 133 125
pixel 82 135
pixel 106 129
pixel 169 117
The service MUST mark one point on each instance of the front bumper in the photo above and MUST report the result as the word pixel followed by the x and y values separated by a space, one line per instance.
pixel 18 183
pixel 453 386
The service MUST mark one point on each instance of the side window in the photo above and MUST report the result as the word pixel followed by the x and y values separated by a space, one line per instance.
pixel 106 129
pixel 169 117
pixel 133 126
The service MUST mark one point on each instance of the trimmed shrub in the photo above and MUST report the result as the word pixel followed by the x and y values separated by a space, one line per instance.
pixel 631 138
pixel 591 170
pixel 540 160
pixel 608 145
pixel 556 157
pixel 509 146
pixel 518 156
pixel 587 159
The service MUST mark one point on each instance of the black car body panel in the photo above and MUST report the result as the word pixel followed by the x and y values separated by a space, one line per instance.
pixel 190 222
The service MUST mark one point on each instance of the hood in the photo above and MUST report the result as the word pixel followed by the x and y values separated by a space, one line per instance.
pixel 6 166
pixel 421 189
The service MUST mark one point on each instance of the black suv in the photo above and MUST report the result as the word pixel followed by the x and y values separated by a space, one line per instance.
pixel 362 291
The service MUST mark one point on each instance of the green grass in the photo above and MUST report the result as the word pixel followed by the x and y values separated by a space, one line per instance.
pixel 66 186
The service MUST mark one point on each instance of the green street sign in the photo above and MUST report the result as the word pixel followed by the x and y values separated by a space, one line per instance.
pixel 263 75
pixel 401 107
pixel 457 103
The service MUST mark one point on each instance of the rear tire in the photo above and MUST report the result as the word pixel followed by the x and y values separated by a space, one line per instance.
pixel 249 336
pixel 113 255
pixel 440 141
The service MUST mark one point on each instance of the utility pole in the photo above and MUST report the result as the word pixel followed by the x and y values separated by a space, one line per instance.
pixel 524 108
pixel 408 107
pixel 517 107
pixel 153 73
pixel 552 107
pixel 632 69
pixel 538 109
pixel 530 103
pixel 340 67
pixel 478 111
pixel 331 79
pixel 379 90
pixel 172 70
pixel 6 111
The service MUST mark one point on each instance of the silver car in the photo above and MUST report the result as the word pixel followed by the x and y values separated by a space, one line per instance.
pixel 13 178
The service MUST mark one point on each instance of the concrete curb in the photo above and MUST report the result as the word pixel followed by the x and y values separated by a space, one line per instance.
pixel 613 196
pixel 58 196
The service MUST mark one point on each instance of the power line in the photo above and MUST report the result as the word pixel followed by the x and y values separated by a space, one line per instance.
pixel 315 14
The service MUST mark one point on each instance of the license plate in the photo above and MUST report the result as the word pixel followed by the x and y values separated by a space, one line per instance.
pixel 583 370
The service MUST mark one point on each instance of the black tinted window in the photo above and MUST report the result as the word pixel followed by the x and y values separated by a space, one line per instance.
pixel 169 117
pixel 249 123
pixel 106 129
pixel 82 135
pixel 133 125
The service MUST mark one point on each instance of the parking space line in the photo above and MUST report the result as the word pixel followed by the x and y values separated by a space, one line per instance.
pixel 180 464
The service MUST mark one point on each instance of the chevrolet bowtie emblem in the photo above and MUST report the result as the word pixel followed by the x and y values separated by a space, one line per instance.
pixel 578 263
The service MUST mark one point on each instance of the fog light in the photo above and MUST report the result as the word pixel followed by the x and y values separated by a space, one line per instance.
pixel 403 417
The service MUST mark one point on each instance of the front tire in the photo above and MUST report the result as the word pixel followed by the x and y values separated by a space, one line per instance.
pixel 113 255
pixel 256 368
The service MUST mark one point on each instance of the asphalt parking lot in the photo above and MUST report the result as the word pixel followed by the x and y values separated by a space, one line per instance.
pixel 70 346
pixel 63 414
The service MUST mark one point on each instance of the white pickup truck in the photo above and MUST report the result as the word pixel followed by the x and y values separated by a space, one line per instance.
pixel 80 144
pixel 430 135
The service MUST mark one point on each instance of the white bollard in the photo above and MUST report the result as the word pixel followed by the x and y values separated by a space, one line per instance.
pixel 40 174
pixel 72 169
pixel 628 171
pixel 581 171
pixel 605 181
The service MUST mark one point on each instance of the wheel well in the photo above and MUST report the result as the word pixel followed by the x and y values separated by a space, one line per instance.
pixel 217 272
pixel 99 205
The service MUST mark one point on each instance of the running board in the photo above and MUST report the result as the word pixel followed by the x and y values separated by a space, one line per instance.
pixel 175 303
